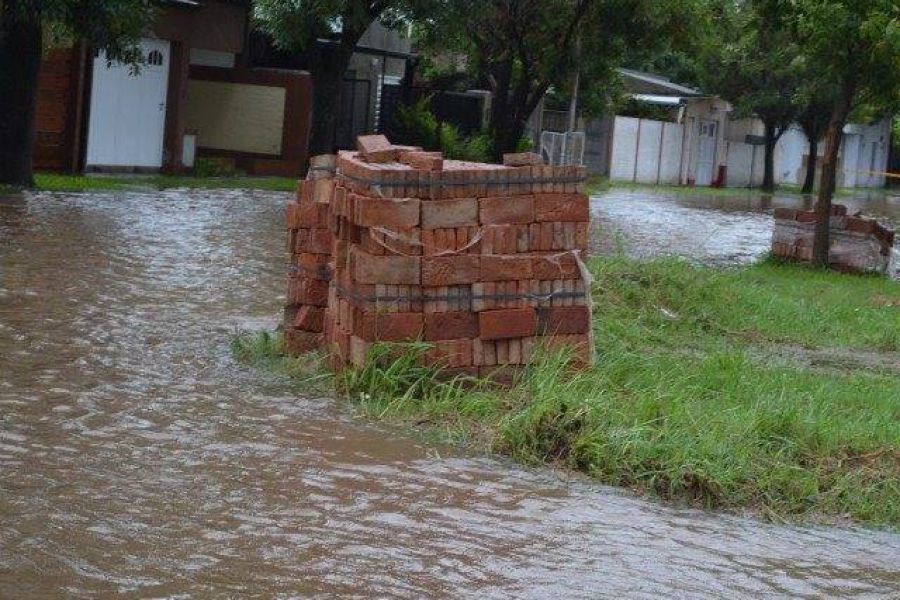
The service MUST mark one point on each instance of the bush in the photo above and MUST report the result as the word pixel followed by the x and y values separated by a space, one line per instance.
pixel 416 125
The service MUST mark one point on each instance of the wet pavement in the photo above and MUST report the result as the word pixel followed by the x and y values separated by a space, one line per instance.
pixel 731 229
pixel 138 460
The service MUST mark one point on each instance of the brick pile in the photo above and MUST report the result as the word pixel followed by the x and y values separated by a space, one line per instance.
pixel 483 262
pixel 858 244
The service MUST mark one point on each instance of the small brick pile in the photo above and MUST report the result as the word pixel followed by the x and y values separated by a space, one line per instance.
pixel 483 262
pixel 858 244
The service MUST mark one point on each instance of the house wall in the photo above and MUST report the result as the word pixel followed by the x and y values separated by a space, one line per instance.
pixel 697 109
pixel 259 118
pixel 863 147
pixel 211 26
pixel 58 119
pixel 865 153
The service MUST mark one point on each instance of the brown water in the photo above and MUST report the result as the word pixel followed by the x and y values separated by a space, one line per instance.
pixel 137 460
pixel 719 230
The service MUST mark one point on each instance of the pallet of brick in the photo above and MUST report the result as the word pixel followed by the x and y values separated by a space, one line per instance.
pixel 483 262
pixel 309 244
pixel 857 244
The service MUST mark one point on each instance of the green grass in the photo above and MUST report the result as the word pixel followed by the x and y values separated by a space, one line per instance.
pixel 683 403
pixel 52 182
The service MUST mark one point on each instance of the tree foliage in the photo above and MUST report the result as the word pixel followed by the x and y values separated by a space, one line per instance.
pixel 854 46
pixel 522 48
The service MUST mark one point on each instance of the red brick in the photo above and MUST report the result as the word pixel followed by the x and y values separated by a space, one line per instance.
pixel 579 345
pixel 555 266
pixel 451 325
pixel 401 213
pixel 507 323
pixel 372 143
pixel 522 159
pixel 386 270
pixel 388 327
pixel 302 290
pixel 563 320
pixel 309 318
pixel 324 189
pixel 805 216
pixel 314 266
pixel 359 351
pixel 461 212
pixel 450 354
pixel 786 214
pixel 319 242
pixel 498 267
pixel 561 207
pixel 301 342
pixel 860 225
pixel 423 161
pixel 506 209
pixel 451 270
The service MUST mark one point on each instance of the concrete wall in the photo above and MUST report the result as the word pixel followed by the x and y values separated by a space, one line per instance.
pixel 863 156
pixel 646 151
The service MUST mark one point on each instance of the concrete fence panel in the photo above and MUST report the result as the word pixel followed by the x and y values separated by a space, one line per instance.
pixel 624 149
pixel 670 155
pixel 649 144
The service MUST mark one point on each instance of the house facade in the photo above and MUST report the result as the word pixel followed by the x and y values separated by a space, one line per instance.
pixel 194 95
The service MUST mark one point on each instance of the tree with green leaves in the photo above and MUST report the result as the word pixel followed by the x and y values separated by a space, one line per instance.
pixel 523 48
pixel 751 61
pixel 327 32
pixel 855 46
pixel 111 25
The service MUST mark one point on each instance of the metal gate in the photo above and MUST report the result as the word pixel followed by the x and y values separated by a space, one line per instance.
pixel 356 113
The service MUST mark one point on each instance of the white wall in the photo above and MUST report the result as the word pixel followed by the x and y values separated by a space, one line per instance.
pixel 742 160
pixel 649 144
pixel 624 149
pixel 864 149
pixel 646 151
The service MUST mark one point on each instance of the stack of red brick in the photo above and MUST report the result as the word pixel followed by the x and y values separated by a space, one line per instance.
pixel 483 262
pixel 857 243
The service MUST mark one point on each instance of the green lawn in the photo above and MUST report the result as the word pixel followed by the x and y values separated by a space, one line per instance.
pixel 51 182
pixel 691 399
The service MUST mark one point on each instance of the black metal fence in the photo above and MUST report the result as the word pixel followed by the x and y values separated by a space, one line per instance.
pixel 461 109
pixel 356 113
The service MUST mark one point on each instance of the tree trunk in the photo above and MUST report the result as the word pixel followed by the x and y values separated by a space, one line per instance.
pixel 506 136
pixel 827 183
pixel 768 185
pixel 20 64
pixel 327 68
pixel 811 163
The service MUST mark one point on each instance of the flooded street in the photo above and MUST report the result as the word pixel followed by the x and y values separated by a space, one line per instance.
pixel 719 230
pixel 138 460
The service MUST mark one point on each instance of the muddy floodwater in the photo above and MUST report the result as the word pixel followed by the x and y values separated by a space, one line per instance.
pixel 138 460
pixel 731 229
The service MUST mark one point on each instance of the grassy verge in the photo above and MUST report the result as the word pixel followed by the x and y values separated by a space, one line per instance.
pixel 51 182
pixel 686 402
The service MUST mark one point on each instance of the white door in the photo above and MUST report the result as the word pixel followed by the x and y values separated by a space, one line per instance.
pixel 706 152
pixel 128 110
